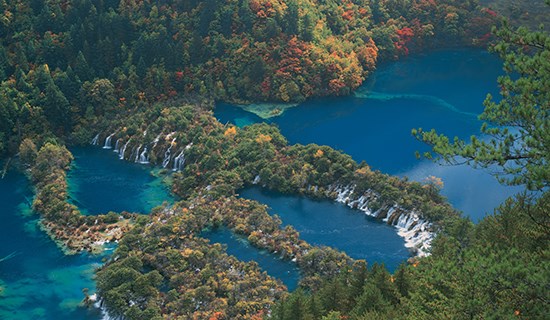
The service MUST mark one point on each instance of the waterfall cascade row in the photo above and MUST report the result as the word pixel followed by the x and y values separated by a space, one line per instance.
pixel 108 144
pixel 417 232
pixel 141 154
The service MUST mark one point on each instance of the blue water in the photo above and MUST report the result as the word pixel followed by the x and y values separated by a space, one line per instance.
pixel 38 281
pixel 335 225
pixel 442 90
pixel 239 247
pixel 99 182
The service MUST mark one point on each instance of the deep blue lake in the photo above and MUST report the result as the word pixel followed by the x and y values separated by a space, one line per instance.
pixel 335 225
pixel 240 248
pixel 443 90
pixel 100 182
pixel 37 281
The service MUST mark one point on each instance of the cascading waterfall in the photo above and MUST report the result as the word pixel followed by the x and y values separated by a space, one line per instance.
pixel 256 179
pixel 95 140
pixel 108 144
pixel 117 146
pixel 179 161
pixel 168 154
pixel 121 153
pixel 143 157
pixel 136 159
pixel 417 232
pixel 156 141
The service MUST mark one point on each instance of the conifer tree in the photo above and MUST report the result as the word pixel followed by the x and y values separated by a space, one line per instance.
pixel 517 126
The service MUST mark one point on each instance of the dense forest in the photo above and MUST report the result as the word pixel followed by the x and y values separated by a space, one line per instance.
pixel 64 62
pixel 145 74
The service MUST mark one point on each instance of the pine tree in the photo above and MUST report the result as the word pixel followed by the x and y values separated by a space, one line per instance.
pixel 518 125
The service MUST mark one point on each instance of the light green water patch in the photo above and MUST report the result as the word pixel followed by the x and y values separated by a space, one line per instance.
pixel 381 96
pixel 266 110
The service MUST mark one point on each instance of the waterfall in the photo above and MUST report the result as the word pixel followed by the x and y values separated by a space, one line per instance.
pixel 121 153
pixel 95 140
pixel 418 233
pixel 107 144
pixel 137 154
pixel 179 161
pixel 143 158
pixel 117 146
pixel 156 141
pixel 168 154
pixel 99 303
pixel 256 179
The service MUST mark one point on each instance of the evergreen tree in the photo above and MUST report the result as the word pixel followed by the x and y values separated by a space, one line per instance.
pixel 517 126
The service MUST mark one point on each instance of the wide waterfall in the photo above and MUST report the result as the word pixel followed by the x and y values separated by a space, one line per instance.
pixel 108 144
pixel 168 154
pixel 95 140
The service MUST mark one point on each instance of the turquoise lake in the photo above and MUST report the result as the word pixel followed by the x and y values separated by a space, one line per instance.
pixel 100 182
pixel 37 280
pixel 444 90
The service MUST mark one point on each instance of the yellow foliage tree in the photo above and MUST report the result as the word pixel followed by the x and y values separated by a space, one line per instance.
pixel 230 132
pixel 263 138
pixel 319 153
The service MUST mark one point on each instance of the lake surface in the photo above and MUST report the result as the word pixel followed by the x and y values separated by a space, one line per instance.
pixel 37 281
pixel 100 182
pixel 443 90
pixel 335 225
pixel 239 247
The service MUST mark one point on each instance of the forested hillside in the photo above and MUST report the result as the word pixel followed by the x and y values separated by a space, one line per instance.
pixel 144 74
pixel 64 62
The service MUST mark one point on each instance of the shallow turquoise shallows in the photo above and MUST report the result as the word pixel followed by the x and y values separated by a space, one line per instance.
pixel 239 247
pixel 442 90
pixel 99 182
pixel 326 223
pixel 37 281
